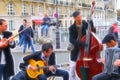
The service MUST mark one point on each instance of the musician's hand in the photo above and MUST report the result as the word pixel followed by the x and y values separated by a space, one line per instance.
pixel 117 62
pixel 31 38
pixel 83 44
pixel 101 60
pixel 10 39
pixel 32 67
pixel 52 68
pixel 3 44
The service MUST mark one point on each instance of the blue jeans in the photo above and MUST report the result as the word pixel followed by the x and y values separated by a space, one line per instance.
pixel 21 38
pixel 4 74
pixel 21 75
pixel 105 76
pixel 60 73
pixel 29 44
pixel 46 29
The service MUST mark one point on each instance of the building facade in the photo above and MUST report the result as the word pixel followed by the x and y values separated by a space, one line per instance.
pixel 14 11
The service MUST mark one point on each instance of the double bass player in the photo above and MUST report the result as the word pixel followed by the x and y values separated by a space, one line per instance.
pixel 76 31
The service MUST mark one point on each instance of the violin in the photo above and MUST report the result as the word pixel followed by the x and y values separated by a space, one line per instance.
pixel 5 42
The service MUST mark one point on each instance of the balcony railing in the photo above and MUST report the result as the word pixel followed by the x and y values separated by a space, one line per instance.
pixel 79 4
pixel 35 0
pixel 39 0
pixel 99 8
pixel 52 1
pixel 11 13
pixel 86 5
pixel 33 14
pixel 60 2
pixel 24 14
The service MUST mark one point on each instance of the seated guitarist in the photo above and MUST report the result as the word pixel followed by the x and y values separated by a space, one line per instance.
pixel 47 52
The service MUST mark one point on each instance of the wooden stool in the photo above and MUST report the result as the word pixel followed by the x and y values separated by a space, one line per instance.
pixel 51 78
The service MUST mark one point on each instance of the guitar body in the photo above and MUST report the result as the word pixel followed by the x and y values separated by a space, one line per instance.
pixel 39 71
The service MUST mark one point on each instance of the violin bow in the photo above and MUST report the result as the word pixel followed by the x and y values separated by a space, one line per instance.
pixel 17 34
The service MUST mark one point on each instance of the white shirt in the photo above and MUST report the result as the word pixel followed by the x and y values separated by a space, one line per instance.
pixel 2 54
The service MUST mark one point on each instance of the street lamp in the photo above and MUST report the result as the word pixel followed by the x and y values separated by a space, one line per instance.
pixel 57 28
pixel 105 10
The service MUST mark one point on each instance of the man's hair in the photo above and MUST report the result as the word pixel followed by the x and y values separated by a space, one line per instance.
pixel 76 13
pixel 1 21
pixel 47 46
pixel 25 20
pixel 108 38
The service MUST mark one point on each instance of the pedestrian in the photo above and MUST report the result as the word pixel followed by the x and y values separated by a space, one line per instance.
pixel 6 59
pixel 45 25
pixel 46 55
pixel 114 29
pixel 76 31
pixel 28 38
pixel 21 37
pixel 111 61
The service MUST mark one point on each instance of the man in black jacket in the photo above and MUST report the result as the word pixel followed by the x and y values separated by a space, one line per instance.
pixel 76 31
pixel 47 52
pixel 6 59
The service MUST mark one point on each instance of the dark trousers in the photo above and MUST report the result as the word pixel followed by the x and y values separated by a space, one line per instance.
pixel 60 73
pixel 6 76
pixel 105 76
pixel 3 73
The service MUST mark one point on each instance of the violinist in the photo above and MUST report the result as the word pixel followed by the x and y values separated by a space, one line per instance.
pixel 111 61
pixel 76 31
pixel 6 59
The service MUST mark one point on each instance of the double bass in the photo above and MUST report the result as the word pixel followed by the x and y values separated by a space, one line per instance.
pixel 87 65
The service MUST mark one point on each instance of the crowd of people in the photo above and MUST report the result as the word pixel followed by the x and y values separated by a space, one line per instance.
pixel 39 65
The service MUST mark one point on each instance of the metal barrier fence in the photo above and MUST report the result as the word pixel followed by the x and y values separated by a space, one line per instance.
pixel 64 37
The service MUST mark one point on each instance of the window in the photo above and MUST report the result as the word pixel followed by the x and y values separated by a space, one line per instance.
pixel 83 13
pixel 50 11
pixel 24 10
pixel 71 22
pixel 52 1
pixel 64 1
pixel 32 10
pixel 70 1
pixel 59 11
pixel 65 23
pixel 11 25
pixel 70 13
pixel 11 9
pixel 39 9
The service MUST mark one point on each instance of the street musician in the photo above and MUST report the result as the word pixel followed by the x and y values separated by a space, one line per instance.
pixel 47 55
pixel 112 60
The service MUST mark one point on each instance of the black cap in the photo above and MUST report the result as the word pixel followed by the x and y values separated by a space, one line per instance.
pixel 76 13
pixel 108 38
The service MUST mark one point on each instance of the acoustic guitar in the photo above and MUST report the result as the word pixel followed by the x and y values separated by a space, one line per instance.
pixel 40 66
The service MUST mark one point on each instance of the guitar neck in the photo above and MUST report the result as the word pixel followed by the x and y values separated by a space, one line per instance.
pixel 56 66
